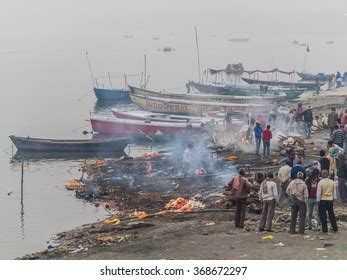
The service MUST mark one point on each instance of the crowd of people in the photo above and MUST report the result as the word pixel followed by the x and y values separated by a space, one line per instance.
pixel 309 189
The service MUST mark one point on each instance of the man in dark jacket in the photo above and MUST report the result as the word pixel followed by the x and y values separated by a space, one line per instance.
pixel 296 169
pixel 323 162
pixel 308 120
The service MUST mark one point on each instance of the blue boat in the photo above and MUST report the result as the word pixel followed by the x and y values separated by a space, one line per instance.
pixel 112 94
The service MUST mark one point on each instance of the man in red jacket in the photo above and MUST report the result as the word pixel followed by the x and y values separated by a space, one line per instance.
pixel 267 136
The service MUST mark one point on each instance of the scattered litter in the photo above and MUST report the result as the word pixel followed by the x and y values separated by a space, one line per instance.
pixel 267 237
pixel 210 224
pixel 320 249
pixel 279 244
pixel 141 215
pixel 114 221
pixel 73 185
pixel 105 238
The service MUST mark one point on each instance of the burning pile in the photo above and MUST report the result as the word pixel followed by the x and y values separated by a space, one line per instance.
pixel 182 205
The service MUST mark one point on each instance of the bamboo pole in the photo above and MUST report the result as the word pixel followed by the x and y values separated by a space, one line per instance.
pixel 198 53
pixel 90 70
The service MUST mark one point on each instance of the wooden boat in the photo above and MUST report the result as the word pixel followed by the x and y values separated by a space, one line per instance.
pixel 145 115
pixel 111 94
pixel 246 90
pixel 312 77
pixel 262 98
pixel 118 126
pixel 189 107
pixel 300 85
pixel 83 145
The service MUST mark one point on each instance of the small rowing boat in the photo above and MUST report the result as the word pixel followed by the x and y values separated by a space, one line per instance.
pixel 69 145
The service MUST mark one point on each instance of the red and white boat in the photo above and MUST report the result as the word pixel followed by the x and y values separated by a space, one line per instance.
pixel 119 126
pixel 145 115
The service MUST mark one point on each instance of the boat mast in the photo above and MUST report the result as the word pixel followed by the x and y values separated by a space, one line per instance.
pixel 197 51
pixel 90 70
pixel 145 72
pixel 109 78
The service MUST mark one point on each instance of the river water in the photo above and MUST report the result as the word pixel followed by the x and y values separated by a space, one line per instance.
pixel 46 85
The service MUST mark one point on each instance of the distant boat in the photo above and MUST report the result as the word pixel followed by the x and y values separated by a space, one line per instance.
pixel 299 85
pixel 303 45
pixel 111 94
pixel 126 36
pixel 241 40
pixel 156 38
pixel 295 42
pixel 168 49
pixel 330 42
pixel 69 145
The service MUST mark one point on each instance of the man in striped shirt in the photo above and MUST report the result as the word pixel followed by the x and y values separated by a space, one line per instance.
pixel 338 136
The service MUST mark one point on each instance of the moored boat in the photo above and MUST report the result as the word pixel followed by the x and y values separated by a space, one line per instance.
pixel 244 90
pixel 299 85
pixel 190 107
pixel 312 77
pixel 117 126
pixel 262 98
pixel 145 115
pixel 69 145
pixel 112 94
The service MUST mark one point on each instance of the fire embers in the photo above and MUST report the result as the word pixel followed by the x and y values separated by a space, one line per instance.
pixel 182 205
pixel 200 171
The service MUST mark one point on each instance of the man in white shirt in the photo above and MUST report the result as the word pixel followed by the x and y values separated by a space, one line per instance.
pixel 284 177
pixel 269 196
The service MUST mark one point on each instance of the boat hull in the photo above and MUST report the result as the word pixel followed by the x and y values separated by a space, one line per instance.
pixel 111 94
pixel 306 86
pixel 244 91
pixel 210 97
pixel 78 146
pixel 177 106
pixel 126 126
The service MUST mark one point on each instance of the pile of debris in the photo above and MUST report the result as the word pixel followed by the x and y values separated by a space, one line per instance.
pixel 287 144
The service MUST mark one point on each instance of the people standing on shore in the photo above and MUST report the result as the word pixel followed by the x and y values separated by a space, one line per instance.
pixel 323 163
pixel 344 118
pixel 338 136
pixel 266 137
pixel 268 195
pixel 284 177
pixel 332 159
pixel 258 132
pixel 298 196
pixel 240 188
pixel 298 116
pixel 308 121
pixel 342 177
pixel 326 194
pixel 312 203
pixel 332 120
pixel 298 168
